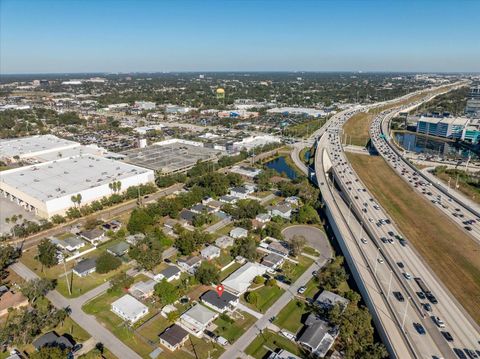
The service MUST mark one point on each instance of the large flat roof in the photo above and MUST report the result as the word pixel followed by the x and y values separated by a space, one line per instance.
pixel 170 157
pixel 26 146
pixel 67 176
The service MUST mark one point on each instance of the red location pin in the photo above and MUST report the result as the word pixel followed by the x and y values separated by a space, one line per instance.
pixel 220 290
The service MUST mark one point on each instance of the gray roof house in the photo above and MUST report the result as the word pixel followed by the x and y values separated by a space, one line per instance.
pixel 170 273
pixel 318 336
pixel 71 244
pixel 173 337
pixel 94 236
pixel 273 261
pixel 238 232
pixel 224 242
pixel 52 339
pixel 85 267
pixel 327 299
pixel 196 319
pixel 281 210
pixel 190 264
pixel 210 252
pixel 119 249
pixel 226 302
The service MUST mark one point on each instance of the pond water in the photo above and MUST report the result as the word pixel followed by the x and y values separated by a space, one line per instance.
pixel 281 166
pixel 433 147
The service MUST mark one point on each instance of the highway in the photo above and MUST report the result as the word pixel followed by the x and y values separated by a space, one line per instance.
pixel 452 205
pixel 361 206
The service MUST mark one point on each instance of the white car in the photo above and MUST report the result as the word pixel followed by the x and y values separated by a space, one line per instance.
pixel 364 241
pixel 301 290
pixel 380 260
pixel 407 275
pixel 287 335
pixel 439 322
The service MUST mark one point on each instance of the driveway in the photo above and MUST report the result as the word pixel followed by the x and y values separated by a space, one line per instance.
pixel 314 237
pixel 87 322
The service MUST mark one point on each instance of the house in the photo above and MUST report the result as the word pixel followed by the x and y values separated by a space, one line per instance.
pixel 170 223
pixel 278 247
pixel 226 302
pixel 328 299
pixel 129 309
pixel 238 232
pixel 293 200
pixel 215 206
pixel 173 337
pixel 239 192
pixel 10 299
pixel 71 243
pixel 228 199
pixel 200 208
pixel 143 290
pixel 94 236
pixel 170 273
pixel 263 217
pixel 282 210
pixel 112 226
pixel 248 173
pixel 52 339
pixel 224 242
pixel 210 252
pixel 187 216
pixel 273 261
pixel 318 336
pixel 282 354
pixel 133 239
pixel 239 281
pixel 85 267
pixel 190 264
pixel 196 319
pixel 119 249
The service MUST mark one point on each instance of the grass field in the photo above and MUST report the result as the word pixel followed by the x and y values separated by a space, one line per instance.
pixel 266 297
pixel 467 184
pixel 233 331
pixel 258 348
pixel 451 254
pixel 294 271
pixel 290 317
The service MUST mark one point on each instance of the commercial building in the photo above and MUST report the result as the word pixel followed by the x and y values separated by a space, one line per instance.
pixel 16 149
pixel 129 309
pixel 249 143
pixel 47 188
pixel 447 127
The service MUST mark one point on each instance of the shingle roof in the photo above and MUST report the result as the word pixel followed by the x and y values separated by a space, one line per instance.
pixel 85 265
pixel 220 302
pixel 174 335
pixel 52 339
pixel 170 271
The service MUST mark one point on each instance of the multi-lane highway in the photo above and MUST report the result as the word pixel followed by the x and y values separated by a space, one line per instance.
pixel 395 263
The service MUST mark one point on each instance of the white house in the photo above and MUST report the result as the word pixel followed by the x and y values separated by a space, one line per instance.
pixel 239 192
pixel 94 236
pixel 169 274
pixel 85 267
pixel 239 281
pixel 224 242
pixel 190 264
pixel 173 337
pixel 143 290
pixel 129 309
pixel 238 232
pixel 71 244
pixel 210 252
pixel 263 217
pixel 281 210
pixel 226 302
pixel 196 319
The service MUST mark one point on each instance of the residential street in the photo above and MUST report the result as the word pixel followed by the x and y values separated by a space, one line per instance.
pixel 87 322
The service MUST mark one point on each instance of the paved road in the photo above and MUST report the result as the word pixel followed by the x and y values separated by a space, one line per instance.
pixel 87 322
pixel 315 238
pixel 105 214
pixel 236 349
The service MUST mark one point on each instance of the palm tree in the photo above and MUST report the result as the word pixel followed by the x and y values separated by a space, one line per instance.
pixel 76 199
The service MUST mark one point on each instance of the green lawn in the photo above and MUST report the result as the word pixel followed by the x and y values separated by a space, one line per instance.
pixel 224 274
pixel 312 289
pixel 233 331
pixel 266 297
pixel 258 348
pixel 294 271
pixel 100 307
pixel 224 258
pixel 92 354
pixel 311 251
pixel 290 317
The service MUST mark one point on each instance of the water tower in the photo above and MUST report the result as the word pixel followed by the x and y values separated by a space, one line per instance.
pixel 220 94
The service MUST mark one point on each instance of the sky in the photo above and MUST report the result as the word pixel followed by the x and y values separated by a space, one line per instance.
pixel 63 36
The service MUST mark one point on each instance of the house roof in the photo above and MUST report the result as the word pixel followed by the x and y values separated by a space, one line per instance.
pixel 92 234
pixel 170 271
pixel 239 189
pixel 210 250
pixel 330 299
pixel 174 335
pixel 130 306
pixel 190 261
pixel 279 247
pixel 52 339
pixel 119 249
pixel 143 287
pixel 237 231
pixel 224 241
pixel 200 314
pixel 241 279
pixel 72 241
pixel 187 215
pixel 271 259
pixel 217 301
pixel 318 335
pixel 85 265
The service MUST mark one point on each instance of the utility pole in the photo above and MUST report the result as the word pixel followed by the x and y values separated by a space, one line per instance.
pixel 66 276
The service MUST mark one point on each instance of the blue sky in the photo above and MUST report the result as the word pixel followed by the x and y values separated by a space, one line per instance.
pixel 266 35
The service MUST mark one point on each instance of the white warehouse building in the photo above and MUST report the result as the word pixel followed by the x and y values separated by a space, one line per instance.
pixel 47 188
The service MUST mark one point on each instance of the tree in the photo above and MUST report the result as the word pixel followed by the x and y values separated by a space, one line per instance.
pixel 251 297
pixel 173 316
pixel 271 282
pixel 139 221
pixel 47 253
pixel 296 244
pixel 8 255
pixel 207 273
pixel 148 252
pixel 107 262
pixel 166 292
pixel 307 214
pixel 50 353
pixel 120 281
pixel 76 199
pixel 245 247
pixel 37 288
